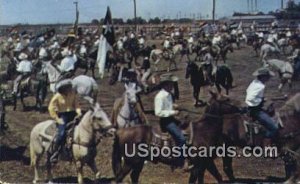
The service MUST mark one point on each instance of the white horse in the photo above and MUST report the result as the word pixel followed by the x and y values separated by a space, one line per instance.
pixel 83 145
pixel 127 111
pixel 84 85
pixel 267 49
pixel 285 70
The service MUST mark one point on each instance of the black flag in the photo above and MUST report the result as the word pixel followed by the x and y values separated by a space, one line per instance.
pixel 108 29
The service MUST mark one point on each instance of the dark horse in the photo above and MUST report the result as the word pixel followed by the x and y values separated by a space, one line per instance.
pixel 205 133
pixel 36 86
pixel 87 62
pixel 223 77
pixel 288 141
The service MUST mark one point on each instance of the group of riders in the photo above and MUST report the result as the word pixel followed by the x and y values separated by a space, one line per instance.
pixel 64 106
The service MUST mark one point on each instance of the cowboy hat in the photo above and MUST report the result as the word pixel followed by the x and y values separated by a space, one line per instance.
pixel 23 56
pixel 66 52
pixel 63 84
pixel 263 71
pixel 168 78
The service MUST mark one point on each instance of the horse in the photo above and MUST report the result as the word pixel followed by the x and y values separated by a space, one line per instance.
pixel 285 70
pixel 84 85
pixel 267 49
pixel 223 52
pixel 203 133
pixel 83 145
pixel 127 111
pixel 283 43
pixel 34 85
pixel 222 77
pixel 234 133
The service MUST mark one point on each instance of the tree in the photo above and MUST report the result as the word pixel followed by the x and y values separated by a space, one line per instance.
pixel 156 20
pixel 95 22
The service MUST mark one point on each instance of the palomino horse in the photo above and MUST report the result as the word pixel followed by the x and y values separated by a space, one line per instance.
pixel 234 133
pixel 83 145
pixel 82 84
pixel 267 49
pixel 285 70
pixel 127 111
pixel 204 133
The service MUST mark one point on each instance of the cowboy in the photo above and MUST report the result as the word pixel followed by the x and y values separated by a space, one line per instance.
pixel 141 41
pixel 67 65
pixel 24 69
pixel 146 71
pixel 63 108
pixel 191 43
pixel 165 109
pixel 167 43
pixel 255 101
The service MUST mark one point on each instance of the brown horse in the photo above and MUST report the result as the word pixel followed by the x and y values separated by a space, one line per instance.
pixel 205 132
pixel 288 141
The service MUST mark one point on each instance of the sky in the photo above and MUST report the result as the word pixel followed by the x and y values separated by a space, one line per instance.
pixel 63 11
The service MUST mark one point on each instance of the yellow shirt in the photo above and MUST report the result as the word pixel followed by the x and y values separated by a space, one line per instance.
pixel 60 103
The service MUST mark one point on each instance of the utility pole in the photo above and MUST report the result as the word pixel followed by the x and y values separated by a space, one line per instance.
pixel 282 4
pixel 77 17
pixel 213 11
pixel 135 20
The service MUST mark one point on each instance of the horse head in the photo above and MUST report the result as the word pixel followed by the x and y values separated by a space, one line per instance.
pixel 130 94
pixel 99 117
pixel 220 105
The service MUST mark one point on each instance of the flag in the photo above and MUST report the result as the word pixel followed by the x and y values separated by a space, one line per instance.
pixel 240 27
pixel 107 40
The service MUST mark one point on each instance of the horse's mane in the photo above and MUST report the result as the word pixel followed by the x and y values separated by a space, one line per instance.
pixel 291 107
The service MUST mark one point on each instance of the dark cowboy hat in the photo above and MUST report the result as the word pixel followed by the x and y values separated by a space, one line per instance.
pixel 66 83
pixel 263 72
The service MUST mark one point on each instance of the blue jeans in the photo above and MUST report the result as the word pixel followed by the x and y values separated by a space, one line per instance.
pixel 297 68
pixel 267 122
pixel 61 129
pixel 179 138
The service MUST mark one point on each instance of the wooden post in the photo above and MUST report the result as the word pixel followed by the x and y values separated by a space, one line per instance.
pixel 213 11
pixel 135 20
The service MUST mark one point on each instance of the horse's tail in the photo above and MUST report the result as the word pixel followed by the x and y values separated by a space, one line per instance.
pixel 116 156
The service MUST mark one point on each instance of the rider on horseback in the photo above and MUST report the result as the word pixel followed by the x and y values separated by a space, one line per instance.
pixel 24 69
pixel 64 108
pixel 164 109
pixel 67 65
pixel 255 102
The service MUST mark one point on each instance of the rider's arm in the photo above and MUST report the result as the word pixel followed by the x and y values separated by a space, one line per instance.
pixel 53 107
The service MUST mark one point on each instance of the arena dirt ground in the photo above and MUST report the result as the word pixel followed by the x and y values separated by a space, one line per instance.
pixel 15 167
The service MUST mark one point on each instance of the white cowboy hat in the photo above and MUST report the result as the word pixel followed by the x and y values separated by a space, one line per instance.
pixel 66 52
pixel 263 71
pixel 63 83
pixel 23 56
pixel 168 77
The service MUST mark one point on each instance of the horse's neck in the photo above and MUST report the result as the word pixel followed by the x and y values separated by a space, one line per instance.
pixel 86 124
pixel 125 109
pixel 53 73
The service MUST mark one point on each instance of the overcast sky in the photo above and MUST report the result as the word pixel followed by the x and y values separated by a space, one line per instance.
pixel 63 11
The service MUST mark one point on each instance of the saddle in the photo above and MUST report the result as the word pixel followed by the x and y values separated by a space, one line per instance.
pixel 254 129
pixel 162 139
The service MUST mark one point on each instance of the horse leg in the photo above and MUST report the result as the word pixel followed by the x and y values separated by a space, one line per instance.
pixel 49 173
pixel 35 163
pixel 15 101
pixel 201 171
pixel 22 99
pixel 193 175
pixel 79 167
pixel 211 167
pixel 123 172
pixel 135 174
pixel 94 168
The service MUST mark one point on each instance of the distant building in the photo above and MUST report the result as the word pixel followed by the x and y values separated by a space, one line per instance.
pixel 260 19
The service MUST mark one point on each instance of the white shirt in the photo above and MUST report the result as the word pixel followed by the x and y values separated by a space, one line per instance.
pixel 141 41
pixel 255 93
pixel 82 50
pixel 19 47
pixel 208 59
pixel 163 104
pixel 191 40
pixel 24 66
pixel 166 44
pixel 67 64
pixel 43 52
pixel 120 44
